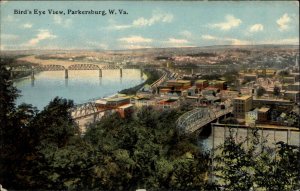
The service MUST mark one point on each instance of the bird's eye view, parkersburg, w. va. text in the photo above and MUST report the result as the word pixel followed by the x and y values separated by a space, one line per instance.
pixel 149 95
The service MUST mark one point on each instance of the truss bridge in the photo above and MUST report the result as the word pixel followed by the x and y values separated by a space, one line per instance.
pixel 197 118
pixel 74 67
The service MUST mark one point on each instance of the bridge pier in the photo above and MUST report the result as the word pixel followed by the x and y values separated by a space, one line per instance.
pixel 192 71
pixel 66 74
pixel 66 82
pixel 100 73
pixel 141 72
pixel 121 72
pixel 32 74
pixel 32 82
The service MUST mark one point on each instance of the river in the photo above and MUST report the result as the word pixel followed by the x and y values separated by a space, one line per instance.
pixel 81 86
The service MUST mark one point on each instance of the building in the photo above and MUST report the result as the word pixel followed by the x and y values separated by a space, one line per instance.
pixel 125 110
pixel 294 86
pixel 270 72
pixel 191 91
pixel 241 105
pixel 288 80
pixel 261 73
pixel 220 84
pixel 179 84
pixel 201 84
pixel 251 117
pixel 112 102
pixel 292 95
pixel 172 102
pixel 263 114
pixel 278 104
pixel 250 77
pixel 296 75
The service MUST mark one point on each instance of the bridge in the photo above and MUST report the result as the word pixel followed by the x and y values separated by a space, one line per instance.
pixel 197 118
pixel 86 113
pixel 53 67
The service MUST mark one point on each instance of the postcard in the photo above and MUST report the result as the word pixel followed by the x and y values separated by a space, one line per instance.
pixel 149 95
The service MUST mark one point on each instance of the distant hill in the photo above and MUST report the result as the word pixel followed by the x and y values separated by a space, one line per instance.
pixel 183 50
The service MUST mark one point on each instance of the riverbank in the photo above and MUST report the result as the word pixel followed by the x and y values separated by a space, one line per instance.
pixel 152 76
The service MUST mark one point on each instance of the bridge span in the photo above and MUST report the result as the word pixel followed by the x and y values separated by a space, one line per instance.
pixel 54 67
pixel 197 118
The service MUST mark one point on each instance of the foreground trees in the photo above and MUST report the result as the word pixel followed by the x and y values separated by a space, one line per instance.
pixel 250 164
pixel 146 152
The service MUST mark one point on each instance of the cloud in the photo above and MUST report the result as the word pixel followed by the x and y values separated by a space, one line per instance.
pixel 63 22
pixel 97 45
pixel 131 46
pixel 9 37
pixel 283 22
pixel 239 42
pixel 290 41
pixel 177 41
pixel 42 35
pixel 186 34
pixel 27 26
pixel 230 22
pixel 256 28
pixel 157 17
pixel 135 39
pixel 10 19
pixel 208 37
pixel 119 27
pixel 226 40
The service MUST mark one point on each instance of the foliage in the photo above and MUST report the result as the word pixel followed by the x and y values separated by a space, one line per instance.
pixel 276 91
pixel 250 164
pixel 146 152
pixel 260 91
pixel 284 73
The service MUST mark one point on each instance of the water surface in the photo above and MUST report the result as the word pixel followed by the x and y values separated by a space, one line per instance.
pixel 81 86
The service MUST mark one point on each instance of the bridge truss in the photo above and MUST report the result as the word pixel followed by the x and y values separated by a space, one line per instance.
pixel 197 118
pixel 84 110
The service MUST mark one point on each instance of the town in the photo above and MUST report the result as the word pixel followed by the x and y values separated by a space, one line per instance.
pixel 258 87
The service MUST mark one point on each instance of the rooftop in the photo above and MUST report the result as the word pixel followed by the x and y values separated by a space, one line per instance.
pixel 271 100
pixel 264 109
pixel 201 81
pixel 125 106
pixel 245 97
pixel 291 92
pixel 116 98
pixel 179 81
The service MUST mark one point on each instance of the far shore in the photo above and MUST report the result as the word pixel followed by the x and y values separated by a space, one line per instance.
pixel 33 59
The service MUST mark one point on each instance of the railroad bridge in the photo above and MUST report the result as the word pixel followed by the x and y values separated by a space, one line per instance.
pixel 54 67
pixel 195 119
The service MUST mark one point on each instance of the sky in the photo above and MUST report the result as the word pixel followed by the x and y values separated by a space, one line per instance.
pixel 147 24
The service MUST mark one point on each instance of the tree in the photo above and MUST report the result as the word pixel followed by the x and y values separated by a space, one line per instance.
pixel 250 164
pixel 260 91
pixel 284 73
pixel 276 91
pixel 146 152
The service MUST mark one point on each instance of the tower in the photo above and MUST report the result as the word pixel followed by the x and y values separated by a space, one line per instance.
pixel 296 66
